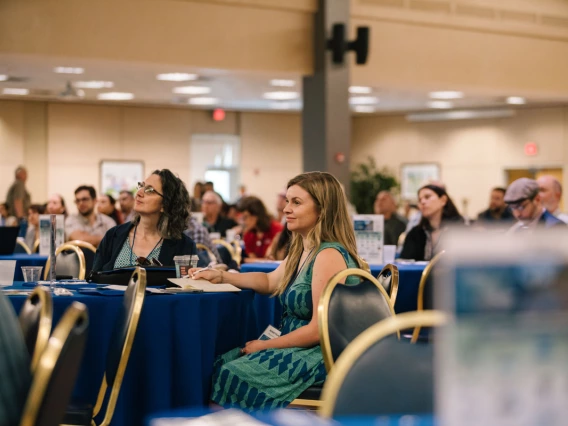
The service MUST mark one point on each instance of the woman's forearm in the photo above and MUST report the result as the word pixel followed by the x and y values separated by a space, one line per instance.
pixel 257 281
pixel 303 337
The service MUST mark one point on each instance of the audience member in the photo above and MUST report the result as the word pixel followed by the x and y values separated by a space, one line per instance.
pixel 523 198
pixel 18 197
pixel 198 233
pixel 56 205
pixel 259 227
pixel 87 225
pixel 126 201
pixel 155 235
pixel 438 213
pixel 209 186
pixel 550 191
pixel 5 219
pixel 416 217
pixel 107 205
pixel 198 191
pixel 498 210
pixel 211 204
pixel 32 232
pixel 278 249
pixel 233 212
pixel 394 224
pixel 280 204
pixel 323 243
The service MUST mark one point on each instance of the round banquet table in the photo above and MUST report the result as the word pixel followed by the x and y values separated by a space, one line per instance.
pixel 171 363
pixel 23 259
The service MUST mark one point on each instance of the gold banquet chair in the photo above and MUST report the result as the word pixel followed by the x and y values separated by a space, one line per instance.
pixel 23 246
pixel 344 311
pixel 380 375
pixel 122 339
pixel 89 251
pixel 35 248
pixel 56 372
pixel 230 248
pixel 423 287
pixel 238 251
pixel 36 317
pixel 70 260
pixel 210 254
pixel 388 277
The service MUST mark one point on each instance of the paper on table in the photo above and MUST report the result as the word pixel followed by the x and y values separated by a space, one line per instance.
pixel 204 285
pixel 7 269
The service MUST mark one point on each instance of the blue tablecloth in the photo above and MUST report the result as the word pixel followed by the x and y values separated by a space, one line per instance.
pixel 269 311
pixel 171 362
pixel 24 260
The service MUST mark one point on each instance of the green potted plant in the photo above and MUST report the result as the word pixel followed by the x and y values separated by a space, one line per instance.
pixel 366 182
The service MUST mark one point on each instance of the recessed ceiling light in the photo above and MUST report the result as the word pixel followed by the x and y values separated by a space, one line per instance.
pixel 516 100
pixel 203 100
pixel 177 76
pixel 192 90
pixel 364 108
pixel 282 83
pixel 93 84
pixel 440 104
pixel 281 96
pixel 448 94
pixel 363 100
pixel 15 91
pixel 69 70
pixel 360 90
pixel 282 105
pixel 115 96
pixel 3 77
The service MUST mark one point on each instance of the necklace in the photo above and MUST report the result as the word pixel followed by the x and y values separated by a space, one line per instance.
pixel 303 263
pixel 132 247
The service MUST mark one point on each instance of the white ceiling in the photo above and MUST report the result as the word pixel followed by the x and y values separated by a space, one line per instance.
pixel 234 90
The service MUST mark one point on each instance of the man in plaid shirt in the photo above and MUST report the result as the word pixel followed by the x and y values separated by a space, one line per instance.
pixel 198 233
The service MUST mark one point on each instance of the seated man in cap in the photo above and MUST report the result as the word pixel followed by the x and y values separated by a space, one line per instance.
pixel 523 198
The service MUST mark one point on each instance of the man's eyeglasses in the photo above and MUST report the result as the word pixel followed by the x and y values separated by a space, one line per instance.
pixel 82 200
pixel 142 261
pixel 521 205
pixel 148 189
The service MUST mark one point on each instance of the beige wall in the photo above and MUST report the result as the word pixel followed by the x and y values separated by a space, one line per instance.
pixel 472 154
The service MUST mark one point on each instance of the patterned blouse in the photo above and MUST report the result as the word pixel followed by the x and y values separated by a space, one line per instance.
pixel 127 257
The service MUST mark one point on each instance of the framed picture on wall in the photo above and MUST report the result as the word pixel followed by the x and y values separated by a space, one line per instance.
pixel 119 175
pixel 415 175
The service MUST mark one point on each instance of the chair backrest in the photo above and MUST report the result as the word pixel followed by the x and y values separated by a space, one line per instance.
pixel 89 252
pixel 425 290
pixel 35 318
pixel 22 247
pixel 121 342
pixel 54 377
pixel 210 254
pixel 238 251
pixel 229 247
pixel 380 375
pixel 344 311
pixel 15 375
pixel 35 248
pixel 388 277
pixel 70 261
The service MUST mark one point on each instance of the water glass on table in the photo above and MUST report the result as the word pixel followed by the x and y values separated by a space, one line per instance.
pixel 32 273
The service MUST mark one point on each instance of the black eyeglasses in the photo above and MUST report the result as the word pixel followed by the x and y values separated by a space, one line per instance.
pixel 142 261
pixel 148 189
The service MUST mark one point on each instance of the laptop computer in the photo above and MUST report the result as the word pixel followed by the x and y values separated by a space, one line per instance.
pixel 8 235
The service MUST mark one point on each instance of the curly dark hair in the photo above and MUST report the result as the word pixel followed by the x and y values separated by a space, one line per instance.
pixel 176 202
pixel 255 207
pixel 449 212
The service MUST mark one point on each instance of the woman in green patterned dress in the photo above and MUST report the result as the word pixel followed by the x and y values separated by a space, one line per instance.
pixel 267 374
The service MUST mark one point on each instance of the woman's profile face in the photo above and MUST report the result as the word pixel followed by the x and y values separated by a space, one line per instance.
pixel 103 205
pixel 430 203
pixel 300 210
pixel 33 217
pixel 54 205
pixel 149 202
pixel 249 220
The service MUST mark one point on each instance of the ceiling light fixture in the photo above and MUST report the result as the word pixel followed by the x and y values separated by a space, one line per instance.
pixel 516 100
pixel 364 109
pixel 282 105
pixel 3 77
pixel 93 84
pixel 69 70
pixel 177 76
pixel 115 96
pixel 15 91
pixel 440 104
pixel 447 94
pixel 282 83
pixel 203 100
pixel 363 100
pixel 192 90
pixel 460 115
pixel 360 90
pixel 281 96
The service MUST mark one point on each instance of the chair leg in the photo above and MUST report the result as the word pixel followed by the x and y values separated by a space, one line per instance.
pixel 307 404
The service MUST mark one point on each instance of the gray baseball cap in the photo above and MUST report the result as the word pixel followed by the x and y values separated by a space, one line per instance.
pixel 520 190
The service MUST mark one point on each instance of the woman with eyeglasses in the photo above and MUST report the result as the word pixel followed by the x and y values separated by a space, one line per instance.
pixel 155 235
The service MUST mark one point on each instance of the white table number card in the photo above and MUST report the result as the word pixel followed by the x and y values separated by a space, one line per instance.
pixel 503 358
pixel 44 232
pixel 369 234
pixel 7 270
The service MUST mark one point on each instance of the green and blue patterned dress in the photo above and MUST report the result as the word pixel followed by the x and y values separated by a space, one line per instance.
pixel 273 378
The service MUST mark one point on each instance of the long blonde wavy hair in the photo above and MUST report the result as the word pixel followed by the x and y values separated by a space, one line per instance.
pixel 333 223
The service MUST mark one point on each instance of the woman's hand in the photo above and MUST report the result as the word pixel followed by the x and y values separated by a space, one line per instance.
pixel 254 346
pixel 212 275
